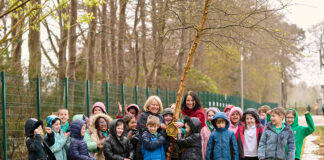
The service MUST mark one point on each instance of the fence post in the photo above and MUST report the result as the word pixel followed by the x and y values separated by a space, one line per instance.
pixel 38 97
pixel 158 92
pixel 175 96
pixel 88 98
pixel 4 129
pixel 123 99
pixel 147 92
pixel 107 97
pixel 167 98
pixel 136 95
pixel 66 93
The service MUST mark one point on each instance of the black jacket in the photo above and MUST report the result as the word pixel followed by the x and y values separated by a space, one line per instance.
pixel 114 148
pixel 191 145
pixel 38 149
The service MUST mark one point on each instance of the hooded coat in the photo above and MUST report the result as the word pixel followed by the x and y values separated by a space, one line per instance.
pixel 100 105
pixel 92 146
pixel 273 145
pixel 152 146
pixel 94 135
pixel 240 131
pixel 59 148
pixel 117 148
pixel 129 107
pixel 233 127
pixel 37 147
pixel 191 144
pixel 300 132
pixel 222 142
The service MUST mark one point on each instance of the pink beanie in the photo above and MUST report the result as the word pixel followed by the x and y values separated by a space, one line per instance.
pixel 235 109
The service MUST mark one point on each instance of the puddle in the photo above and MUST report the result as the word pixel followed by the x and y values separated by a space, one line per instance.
pixel 310 148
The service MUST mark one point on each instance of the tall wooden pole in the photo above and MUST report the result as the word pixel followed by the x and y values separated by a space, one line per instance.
pixel 185 73
pixel 189 60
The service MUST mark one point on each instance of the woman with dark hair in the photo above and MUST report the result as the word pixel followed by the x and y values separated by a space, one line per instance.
pixel 192 107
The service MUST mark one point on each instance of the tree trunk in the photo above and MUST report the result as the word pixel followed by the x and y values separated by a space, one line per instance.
pixel 62 44
pixel 121 41
pixel 143 37
pixel 104 64
pixel 182 42
pixel 34 47
pixel 91 45
pixel 136 45
pixel 112 26
pixel 16 49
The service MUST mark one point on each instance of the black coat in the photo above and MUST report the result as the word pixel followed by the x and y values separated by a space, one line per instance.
pixel 38 149
pixel 114 148
pixel 191 145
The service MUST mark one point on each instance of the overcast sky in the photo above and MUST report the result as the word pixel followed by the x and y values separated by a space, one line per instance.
pixel 306 13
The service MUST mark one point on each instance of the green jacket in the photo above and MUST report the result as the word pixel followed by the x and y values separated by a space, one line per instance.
pixel 300 132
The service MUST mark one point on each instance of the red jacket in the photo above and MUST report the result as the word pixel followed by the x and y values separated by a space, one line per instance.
pixel 199 113
pixel 240 136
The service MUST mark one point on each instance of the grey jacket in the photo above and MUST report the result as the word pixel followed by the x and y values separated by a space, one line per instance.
pixel 273 146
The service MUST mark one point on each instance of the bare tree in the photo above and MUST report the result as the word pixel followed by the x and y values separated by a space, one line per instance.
pixel 121 41
pixel 113 54
pixel 104 59
pixel 92 45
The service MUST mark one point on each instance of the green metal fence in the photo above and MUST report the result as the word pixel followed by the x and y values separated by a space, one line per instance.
pixel 23 98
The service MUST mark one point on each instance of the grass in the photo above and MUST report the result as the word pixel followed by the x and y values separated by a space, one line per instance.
pixel 319 131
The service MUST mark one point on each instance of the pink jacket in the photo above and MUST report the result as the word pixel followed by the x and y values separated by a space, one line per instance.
pixel 204 133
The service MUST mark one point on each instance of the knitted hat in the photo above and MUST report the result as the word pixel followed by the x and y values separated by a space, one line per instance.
pixel 167 111
pixel 214 109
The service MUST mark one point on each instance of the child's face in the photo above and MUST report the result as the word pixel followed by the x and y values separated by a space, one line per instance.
pixel 83 129
pixel 168 118
pixel 210 115
pixel 235 117
pixel 103 126
pixel 132 124
pixel 290 118
pixel 220 123
pixel 227 112
pixel 64 116
pixel 187 127
pixel 119 130
pixel 154 108
pixel 262 115
pixel 132 111
pixel 190 102
pixel 276 119
pixel 38 130
pixel 56 126
pixel 152 128
pixel 250 120
pixel 97 110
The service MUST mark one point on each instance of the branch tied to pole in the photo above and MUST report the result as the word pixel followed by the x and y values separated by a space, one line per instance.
pixel 171 129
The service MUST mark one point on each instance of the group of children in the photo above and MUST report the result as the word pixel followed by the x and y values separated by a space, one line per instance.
pixel 231 134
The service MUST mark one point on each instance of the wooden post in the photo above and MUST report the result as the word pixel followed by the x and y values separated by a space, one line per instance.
pixel 185 74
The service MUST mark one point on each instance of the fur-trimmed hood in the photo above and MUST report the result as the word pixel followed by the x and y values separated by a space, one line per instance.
pixel 97 116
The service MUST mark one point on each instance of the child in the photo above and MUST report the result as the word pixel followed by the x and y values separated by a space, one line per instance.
pixel 63 114
pixel 152 142
pixel 300 132
pixel 276 137
pixel 97 108
pixel 37 148
pixel 235 116
pixel 191 143
pixel 99 127
pixel 210 115
pixel 117 146
pixel 263 113
pixel 61 143
pixel 78 149
pixel 131 132
pixel 248 135
pixel 222 143
pixel 228 109
pixel 131 109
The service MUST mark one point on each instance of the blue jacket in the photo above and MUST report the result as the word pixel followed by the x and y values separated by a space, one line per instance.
pixel 78 149
pixel 61 143
pixel 222 142
pixel 152 146
pixel 273 145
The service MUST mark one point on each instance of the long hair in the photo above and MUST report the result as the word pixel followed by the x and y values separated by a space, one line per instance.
pixel 196 99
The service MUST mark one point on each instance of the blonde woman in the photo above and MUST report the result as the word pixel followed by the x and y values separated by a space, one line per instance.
pixel 153 106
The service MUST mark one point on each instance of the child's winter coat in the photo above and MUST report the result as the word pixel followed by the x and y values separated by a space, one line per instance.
pixel 115 148
pixel 273 145
pixel 61 145
pixel 94 135
pixel 300 132
pixel 152 146
pixel 78 149
pixel 37 147
pixel 191 144
pixel 240 131
pixel 222 142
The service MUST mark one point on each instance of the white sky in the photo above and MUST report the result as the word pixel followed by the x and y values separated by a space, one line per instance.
pixel 305 14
